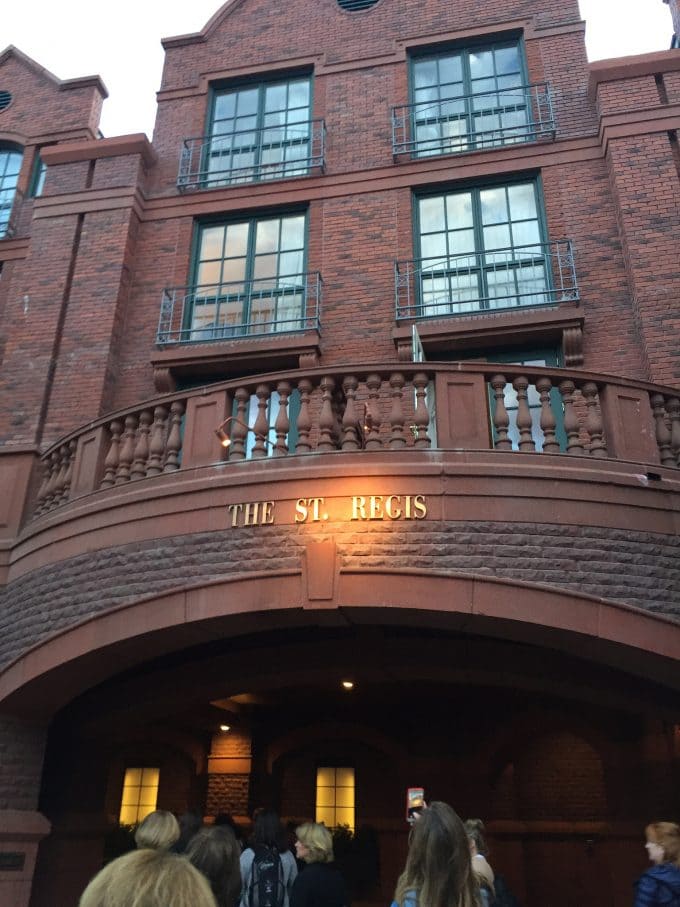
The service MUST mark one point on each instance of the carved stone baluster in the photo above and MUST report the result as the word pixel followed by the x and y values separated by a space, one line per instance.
pixel 350 418
pixel 594 425
pixel 673 410
pixel 548 421
pixel 337 403
pixel 174 443
pixel 127 450
pixel 372 419
pixel 524 424
pixel 326 416
pixel 69 457
pixel 304 419
pixel 239 427
pixel 40 506
pixel 141 455
pixel 60 484
pixel 421 416
pixel 157 444
pixel 663 434
pixel 51 498
pixel 571 426
pixel 261 426
pixel 501 419
pixel 282 424
pixel 113 455
pixel 397 439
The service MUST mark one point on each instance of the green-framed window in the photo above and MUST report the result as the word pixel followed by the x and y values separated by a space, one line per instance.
pixel 249 276
pixel 259 131
pixel 467 98
pixel 38 175
pixel 10 165
pixel 482 248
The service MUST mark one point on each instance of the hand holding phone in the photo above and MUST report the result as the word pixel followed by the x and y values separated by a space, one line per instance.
pixel 415 803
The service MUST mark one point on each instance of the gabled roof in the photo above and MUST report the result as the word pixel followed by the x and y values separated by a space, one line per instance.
pixel 199 37
pixel 41 72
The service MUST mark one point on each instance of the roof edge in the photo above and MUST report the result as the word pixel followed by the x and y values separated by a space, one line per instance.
pixel 203 35
pixel 94 81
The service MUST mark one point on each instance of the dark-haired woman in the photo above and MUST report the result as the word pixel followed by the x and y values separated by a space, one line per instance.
pixel 480 864
pixel 215 852
pixel 438 871
pixel 269 838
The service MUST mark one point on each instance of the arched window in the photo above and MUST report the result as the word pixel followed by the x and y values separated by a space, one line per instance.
pixel 10 164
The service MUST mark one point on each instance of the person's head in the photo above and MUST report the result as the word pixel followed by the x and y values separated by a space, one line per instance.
pixel 663 842
pixel 215 852
pixel 314 843
pixel 474 829
pixel 158 831
pixel 189 824
pixel 148 878
pixel 438 865
pixel 268 830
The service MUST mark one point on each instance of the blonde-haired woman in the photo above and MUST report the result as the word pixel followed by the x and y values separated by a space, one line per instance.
pixel 660 885
pixel 148 878
pixel 158 831
pixel 438 871
pixel 320 884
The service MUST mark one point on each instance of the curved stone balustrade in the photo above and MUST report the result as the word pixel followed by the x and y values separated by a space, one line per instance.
pixel 429 405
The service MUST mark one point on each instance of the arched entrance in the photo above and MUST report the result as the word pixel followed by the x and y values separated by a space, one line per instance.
pixel 528 707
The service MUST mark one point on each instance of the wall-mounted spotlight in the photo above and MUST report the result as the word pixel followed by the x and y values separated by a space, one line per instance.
pixel 225 727
pixel 225 438
pixel 348 684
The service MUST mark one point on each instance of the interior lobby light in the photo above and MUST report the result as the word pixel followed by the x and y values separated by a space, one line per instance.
pixel 348 684
pixel 225 438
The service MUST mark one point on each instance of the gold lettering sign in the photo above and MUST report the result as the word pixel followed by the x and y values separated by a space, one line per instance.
pixel 357 508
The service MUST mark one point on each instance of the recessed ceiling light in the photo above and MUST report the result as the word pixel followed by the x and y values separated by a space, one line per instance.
pixel 348 684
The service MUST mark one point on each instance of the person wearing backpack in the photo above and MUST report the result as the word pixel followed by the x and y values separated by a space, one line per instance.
pixel 268 868
pixel 660 885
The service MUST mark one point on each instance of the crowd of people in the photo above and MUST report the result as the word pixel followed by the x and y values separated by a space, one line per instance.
pixel 187 864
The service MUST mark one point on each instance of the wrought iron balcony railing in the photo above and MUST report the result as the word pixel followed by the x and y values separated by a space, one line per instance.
pixel 10 206
pixel 474 121
pixel 271 152
pixel 533 275
pixel 246 308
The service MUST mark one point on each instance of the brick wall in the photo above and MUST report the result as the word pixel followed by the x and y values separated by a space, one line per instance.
pixel 93 351
pixel 22 746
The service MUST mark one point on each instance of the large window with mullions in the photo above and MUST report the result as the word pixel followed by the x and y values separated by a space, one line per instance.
pixel 10 165
pixel 468 98
pixel 249 277
pixel 259 131
pixel 482 248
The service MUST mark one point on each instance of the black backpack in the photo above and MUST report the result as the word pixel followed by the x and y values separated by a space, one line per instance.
pixel 266 887
pixel 504 897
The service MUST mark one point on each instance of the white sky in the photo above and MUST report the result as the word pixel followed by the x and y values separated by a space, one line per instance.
pixel 75 38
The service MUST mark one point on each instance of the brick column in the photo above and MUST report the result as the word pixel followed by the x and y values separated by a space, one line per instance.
pixel 638 123
pixel 229 765
pixel 22 827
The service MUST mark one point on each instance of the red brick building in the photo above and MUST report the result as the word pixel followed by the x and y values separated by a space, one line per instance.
pixel 419 263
